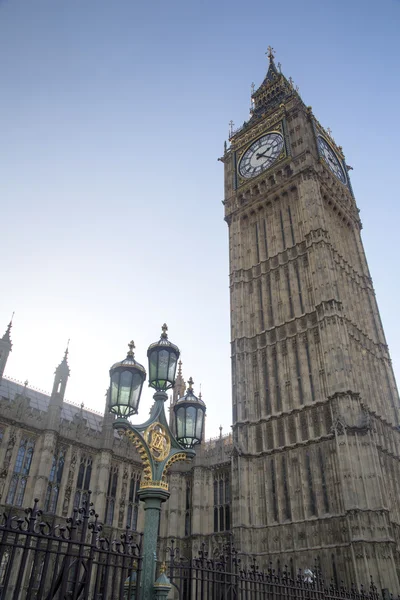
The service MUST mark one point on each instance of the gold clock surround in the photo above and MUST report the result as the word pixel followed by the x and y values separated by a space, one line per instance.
pixel 276 129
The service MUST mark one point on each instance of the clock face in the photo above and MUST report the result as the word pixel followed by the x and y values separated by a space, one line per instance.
pixel 331 159
pixel 260 155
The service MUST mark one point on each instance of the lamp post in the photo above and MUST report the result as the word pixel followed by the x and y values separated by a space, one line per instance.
pixel 157 446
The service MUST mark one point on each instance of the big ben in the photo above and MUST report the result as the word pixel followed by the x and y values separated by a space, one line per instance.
pixel 316 461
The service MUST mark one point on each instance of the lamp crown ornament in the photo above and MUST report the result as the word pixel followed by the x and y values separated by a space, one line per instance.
pixel 190 386
pixel 131 346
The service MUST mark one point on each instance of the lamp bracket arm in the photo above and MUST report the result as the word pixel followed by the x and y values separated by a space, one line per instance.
pixel 137 439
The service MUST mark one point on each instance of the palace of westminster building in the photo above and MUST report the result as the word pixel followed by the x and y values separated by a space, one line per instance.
pixel 311 469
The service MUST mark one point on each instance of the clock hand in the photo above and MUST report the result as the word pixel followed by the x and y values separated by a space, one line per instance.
pixel 262 153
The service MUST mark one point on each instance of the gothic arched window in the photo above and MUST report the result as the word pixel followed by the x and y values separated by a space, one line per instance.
pixel 21 471
pixel 111 495
pixel 222 500
pixel 3 568
pixel 83 482
pixel 188 508
pixel 53 487
pixel 133 501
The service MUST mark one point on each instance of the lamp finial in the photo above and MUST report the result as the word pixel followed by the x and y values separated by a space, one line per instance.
pixel 164 334
pixel 190 384
pixel 163 568
pixel 131 347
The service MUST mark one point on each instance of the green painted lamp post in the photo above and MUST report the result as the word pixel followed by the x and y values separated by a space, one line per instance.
pixel 156 445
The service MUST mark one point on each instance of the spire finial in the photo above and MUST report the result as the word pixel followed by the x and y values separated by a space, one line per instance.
pixel 180 368
pixel 66 349
pixel 190 384
pixel 270 54
pixel 164 334
pixel 6 337
pixel 131 347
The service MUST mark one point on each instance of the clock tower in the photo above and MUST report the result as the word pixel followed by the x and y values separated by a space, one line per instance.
pixel 316 462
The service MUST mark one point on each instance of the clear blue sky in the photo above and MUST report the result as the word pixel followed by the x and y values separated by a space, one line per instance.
pixel 112 117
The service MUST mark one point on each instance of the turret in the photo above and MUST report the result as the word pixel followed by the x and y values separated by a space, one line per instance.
pixel 177 392
pixel 180 386
pixel 57 395
pixel 60 379
pixel 107 428
pixel 5 348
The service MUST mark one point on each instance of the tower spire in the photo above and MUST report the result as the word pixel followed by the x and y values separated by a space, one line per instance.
pixel 274 90
pixel 61 376
pixel 177 392
pixel 5 347
pixel 7 337
pixel 272 72
pixel 66 351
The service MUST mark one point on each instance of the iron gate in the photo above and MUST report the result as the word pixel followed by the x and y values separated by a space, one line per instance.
pixel 44 560
pixel 226 577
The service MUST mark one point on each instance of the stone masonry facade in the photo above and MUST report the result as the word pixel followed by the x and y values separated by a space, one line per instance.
pixel 312 467
pixel 316 413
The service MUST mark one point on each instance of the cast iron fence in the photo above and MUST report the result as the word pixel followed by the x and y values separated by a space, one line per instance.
pixel 44 560
pixel 226 577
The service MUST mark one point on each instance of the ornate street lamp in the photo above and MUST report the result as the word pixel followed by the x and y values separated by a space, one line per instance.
pixel 154 440
pixel 163 359
pixel 189 418
pixel 127 378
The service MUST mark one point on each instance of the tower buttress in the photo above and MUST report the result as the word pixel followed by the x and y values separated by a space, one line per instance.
pixel 5 349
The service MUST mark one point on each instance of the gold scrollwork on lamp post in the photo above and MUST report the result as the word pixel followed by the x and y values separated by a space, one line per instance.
pixel 158 441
